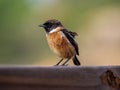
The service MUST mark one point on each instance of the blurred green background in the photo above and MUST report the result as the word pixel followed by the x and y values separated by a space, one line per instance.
pixel 97 23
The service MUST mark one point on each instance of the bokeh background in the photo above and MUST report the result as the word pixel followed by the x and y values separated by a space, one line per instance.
pixel 97 23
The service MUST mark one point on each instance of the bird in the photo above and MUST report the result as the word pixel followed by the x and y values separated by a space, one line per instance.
pixel 61 41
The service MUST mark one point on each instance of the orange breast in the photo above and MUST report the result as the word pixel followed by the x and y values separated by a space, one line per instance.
pixel 60 45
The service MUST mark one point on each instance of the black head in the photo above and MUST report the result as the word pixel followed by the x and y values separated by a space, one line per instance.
pixel 50 25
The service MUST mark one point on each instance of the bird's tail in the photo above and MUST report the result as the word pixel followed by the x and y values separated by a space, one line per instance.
pixel 76 61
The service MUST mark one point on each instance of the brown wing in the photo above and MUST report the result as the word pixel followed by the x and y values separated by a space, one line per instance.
pixel 70 36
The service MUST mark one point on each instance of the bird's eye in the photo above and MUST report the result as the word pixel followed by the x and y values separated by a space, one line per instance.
pixel 49 25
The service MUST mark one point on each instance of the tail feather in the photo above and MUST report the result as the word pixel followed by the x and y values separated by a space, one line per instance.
pixel 76 61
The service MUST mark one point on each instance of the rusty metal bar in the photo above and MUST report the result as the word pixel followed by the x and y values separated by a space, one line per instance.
pixel 59 78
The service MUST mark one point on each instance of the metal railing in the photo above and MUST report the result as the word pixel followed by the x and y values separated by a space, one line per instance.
pixel 60 78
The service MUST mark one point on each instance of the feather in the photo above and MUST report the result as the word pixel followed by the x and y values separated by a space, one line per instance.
pixel 70 36
pixel 73 34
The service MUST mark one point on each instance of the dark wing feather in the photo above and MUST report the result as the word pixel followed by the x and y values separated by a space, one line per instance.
pixel 70 36
pixel 73 34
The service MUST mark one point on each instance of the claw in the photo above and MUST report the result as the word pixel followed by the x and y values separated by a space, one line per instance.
pixel 64 64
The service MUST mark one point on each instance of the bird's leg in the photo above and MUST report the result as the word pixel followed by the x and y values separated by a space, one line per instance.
pixel 59 62
pixel 64 64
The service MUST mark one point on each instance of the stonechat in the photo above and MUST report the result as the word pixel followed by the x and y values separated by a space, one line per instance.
pixel 61 41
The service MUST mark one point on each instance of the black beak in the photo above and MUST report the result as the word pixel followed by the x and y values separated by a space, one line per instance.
pixel 41 25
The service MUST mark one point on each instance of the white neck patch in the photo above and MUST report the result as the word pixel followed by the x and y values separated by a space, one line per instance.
pixel 54 30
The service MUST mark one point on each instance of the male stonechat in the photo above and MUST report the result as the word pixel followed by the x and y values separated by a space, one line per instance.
pixel 61 41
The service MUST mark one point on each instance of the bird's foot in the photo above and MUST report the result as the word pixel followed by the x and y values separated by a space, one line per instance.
pixel 62 65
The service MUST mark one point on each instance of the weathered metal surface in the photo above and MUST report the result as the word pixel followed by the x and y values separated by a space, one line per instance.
pixel 58 78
